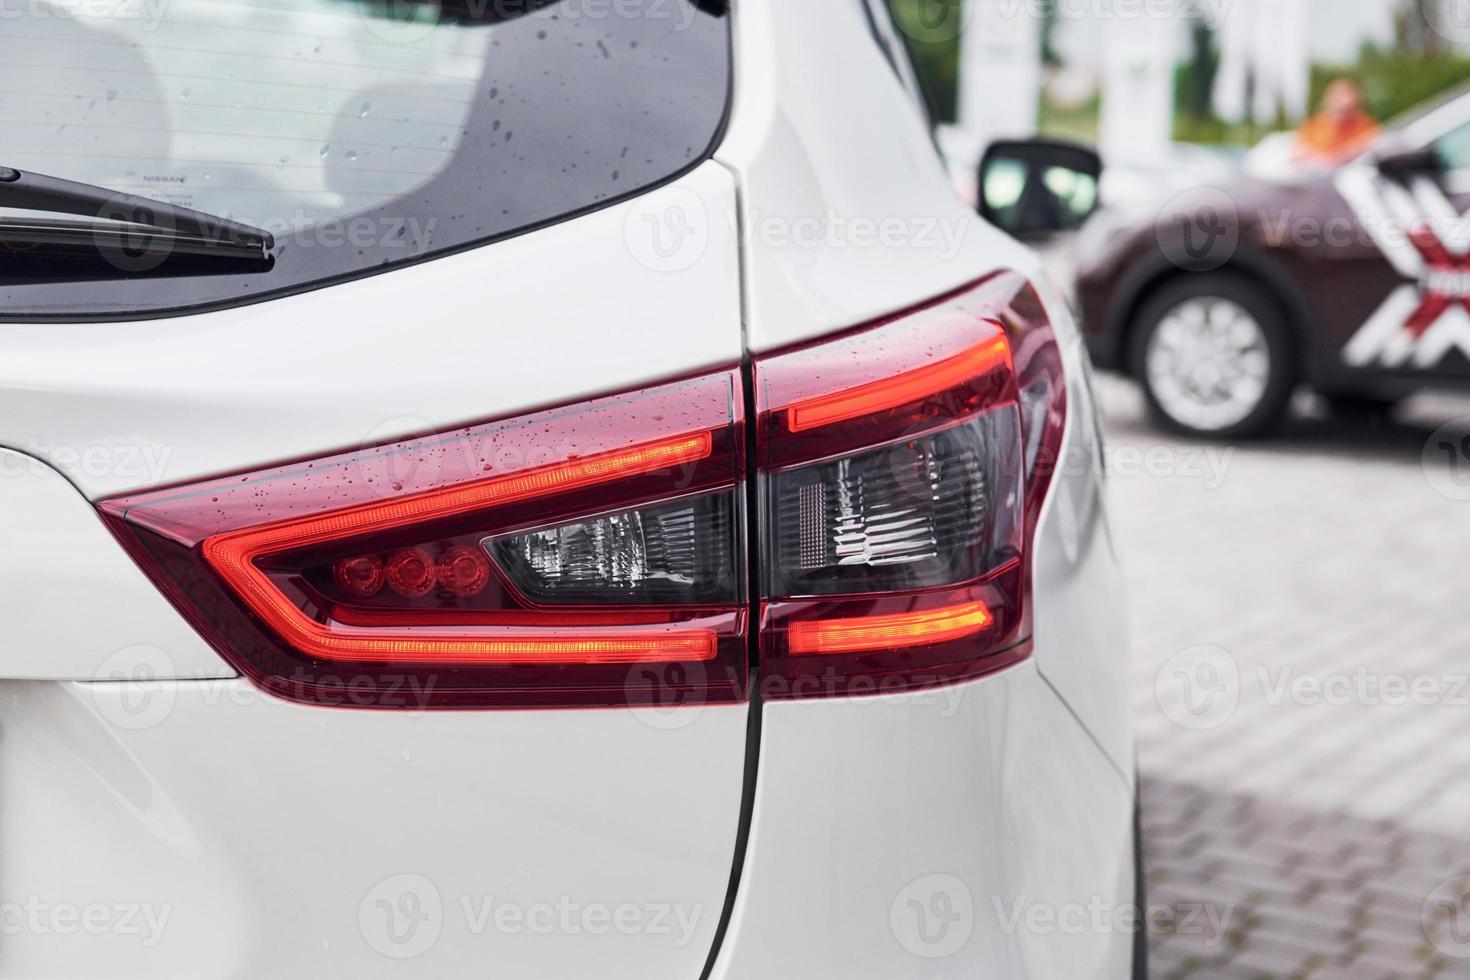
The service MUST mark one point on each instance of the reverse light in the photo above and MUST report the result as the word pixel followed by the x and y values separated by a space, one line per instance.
pixel 679 550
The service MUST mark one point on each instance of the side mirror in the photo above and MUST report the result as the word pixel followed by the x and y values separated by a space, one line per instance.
pixel 1037 188
pixel 1402 165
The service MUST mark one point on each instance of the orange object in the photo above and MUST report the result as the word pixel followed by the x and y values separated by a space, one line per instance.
pixel 1341 132
pixel 827 636
pixel 901 389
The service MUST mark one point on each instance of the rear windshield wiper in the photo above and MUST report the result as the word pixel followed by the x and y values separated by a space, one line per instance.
pixel 127 219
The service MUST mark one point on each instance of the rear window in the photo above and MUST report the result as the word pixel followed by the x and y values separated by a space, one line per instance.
pixel 361 134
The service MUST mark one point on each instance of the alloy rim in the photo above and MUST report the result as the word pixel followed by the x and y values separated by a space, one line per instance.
pixel 1208 364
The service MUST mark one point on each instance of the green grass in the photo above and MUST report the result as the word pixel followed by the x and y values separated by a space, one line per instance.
pixel 1078 123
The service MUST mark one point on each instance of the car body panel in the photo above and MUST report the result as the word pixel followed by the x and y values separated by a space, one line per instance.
pixel 899 837
pixel 258 827
pixel 846 211
pixel 798 290
pixel 1081 624
pixel 1302 241
pixel 281 840
pixel 469 337
pixel 1334 249
pixel 902 836
pixel 76 606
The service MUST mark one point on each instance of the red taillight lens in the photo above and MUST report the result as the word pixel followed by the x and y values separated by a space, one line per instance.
pixel 565 557
pixel 902 470
pixel 530 562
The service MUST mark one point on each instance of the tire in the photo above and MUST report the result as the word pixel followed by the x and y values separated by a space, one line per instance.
pixel 1191 334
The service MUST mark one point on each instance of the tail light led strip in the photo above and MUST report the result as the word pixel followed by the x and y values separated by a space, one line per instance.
pixel 595 554
pixel 234 556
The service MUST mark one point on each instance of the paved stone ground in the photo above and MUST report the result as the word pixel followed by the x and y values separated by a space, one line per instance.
pixel 1301 613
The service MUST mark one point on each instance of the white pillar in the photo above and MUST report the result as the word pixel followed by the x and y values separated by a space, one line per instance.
pixel 1140 54
pixel 1264 48
pixel 1000 71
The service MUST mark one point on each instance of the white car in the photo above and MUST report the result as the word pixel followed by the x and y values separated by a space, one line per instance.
pixel 538 489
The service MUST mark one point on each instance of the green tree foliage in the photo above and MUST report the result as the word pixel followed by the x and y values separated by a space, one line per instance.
pixel 1396 83
pixel 934 47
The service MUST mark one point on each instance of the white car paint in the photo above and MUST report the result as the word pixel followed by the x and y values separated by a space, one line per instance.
pixel 825 167
pixel 794 148
pixel 263 827
pixel 264 834
pixel 266 828
pixel 56 557
pixel 481 334
pixel 990 798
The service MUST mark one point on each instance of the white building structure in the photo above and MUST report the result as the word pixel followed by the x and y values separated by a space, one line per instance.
pixel 1000 52
pixel 1139 58
pixel 1267 49
pixel 1265 61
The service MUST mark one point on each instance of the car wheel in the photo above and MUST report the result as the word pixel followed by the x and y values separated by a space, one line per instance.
pixel 1215 357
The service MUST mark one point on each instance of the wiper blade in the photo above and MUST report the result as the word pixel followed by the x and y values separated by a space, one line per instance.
pixel 190 232
pixel 139 247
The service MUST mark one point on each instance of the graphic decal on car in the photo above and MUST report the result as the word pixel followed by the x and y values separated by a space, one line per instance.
pixel 1427 241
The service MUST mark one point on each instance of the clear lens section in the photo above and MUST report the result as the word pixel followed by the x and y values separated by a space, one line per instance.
pixel 1037 402
pixel 923 512
pixel 680 552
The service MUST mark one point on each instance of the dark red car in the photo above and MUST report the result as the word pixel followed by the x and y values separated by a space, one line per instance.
pixel 1225 300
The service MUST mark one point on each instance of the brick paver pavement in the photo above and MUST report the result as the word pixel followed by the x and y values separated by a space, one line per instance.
pixel 1301 615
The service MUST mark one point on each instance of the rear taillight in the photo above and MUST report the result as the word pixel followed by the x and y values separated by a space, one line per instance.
pixel 549 560
pixel 901 471
pixel 596 554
